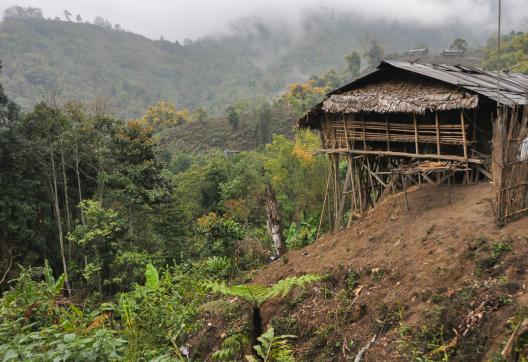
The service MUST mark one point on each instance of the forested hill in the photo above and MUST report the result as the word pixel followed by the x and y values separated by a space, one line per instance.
pixel 79 60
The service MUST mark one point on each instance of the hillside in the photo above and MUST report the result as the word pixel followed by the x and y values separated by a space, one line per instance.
pixel 255 60
pixel 442 274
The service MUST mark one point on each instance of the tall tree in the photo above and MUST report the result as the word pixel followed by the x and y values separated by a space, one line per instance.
pixel 264 124
pixel 374 54
pixel 353 63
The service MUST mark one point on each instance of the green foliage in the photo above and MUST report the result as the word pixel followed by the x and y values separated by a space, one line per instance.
pixel 151 277
pixel 299 236
pixel 135 71
pixel 256 295
pixel 158 317
pixel 232 117
pixel 232 348
pixel 36 326
pixel 272 348
pixel 514 53
pixel 219 266
pixel 52 344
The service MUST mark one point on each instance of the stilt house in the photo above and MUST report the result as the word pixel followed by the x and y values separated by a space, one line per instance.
pixel 407 123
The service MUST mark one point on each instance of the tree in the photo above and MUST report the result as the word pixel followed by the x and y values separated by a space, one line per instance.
pixel 18 12
pixel 264 124
pixel 98 237
pixel 274 222
pixel 67 15
pixel 353 63
pixel 459 44
pixel 232 117
pixel 45 127
pixel 78 18
pixel 256 295
pixel 514 53
pixel 99 21
pixel 374 54
pixel 136 177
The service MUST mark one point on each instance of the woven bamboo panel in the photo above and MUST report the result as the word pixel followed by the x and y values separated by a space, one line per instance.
pixel 450 134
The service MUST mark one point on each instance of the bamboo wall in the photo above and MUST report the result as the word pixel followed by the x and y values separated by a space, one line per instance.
pixel 353 131
pixel 510 164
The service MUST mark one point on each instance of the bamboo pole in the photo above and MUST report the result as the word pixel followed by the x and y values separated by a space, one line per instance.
pixel 437 134
pixel 416 134
pixel 324 204
pixel 463 134
pixel 400 154
pixel 387 131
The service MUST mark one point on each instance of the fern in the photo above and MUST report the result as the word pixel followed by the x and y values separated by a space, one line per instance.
pixel 231 347
pixel 256 294
pixel 272 348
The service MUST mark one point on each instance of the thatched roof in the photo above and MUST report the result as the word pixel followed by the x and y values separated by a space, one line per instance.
pixel 398 86
pixel 400 96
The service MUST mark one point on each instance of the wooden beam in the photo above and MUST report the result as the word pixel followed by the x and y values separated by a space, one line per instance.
pixel 373 174
pixel 400 154
pixel 437 134
pixel 428 179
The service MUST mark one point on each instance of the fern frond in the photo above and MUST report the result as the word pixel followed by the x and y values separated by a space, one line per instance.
pixel 284 286
pixel 250 293
pixel 273 348
pixel 258 294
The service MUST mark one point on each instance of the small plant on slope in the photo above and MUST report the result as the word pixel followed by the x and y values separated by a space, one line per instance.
pixel 272 348
pixel 256 295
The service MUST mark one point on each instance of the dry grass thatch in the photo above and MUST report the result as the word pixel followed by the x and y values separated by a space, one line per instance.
pixel 400 96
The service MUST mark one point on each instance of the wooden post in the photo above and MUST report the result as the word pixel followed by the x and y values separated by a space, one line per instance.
pixel 387 131
pixel 437 134
pixel 336 188
pixel 416 134
pixel 462 124
pixel 404 183
pixel 324 204
pixel 353 184
pixel 364 133
pixel 463 134
pixel 341 209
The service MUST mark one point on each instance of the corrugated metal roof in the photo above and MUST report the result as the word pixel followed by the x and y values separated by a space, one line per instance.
pixel 513 86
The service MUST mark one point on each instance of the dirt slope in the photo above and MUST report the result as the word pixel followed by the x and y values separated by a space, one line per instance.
pixel 441 274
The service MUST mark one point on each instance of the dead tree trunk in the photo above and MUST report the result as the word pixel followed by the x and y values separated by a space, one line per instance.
pixel 66 201
pixel 273 222
pixel 79 189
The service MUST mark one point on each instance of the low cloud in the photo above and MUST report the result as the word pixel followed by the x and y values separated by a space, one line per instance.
pixel 180 19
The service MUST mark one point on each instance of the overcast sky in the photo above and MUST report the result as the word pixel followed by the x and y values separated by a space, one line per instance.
pixel 180 19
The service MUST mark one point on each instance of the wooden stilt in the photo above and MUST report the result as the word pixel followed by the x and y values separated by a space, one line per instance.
pixel 437 134
pixel 464 141
pixel 417 150
pixel 341 209
pixel 387 131
pixel 337 188
pixel 404 183
pixel 324 204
